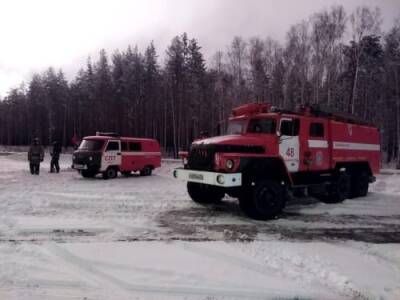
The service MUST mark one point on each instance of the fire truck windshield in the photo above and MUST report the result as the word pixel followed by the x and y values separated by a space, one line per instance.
pixel 91 145
pixel 262 126
pixel 236 127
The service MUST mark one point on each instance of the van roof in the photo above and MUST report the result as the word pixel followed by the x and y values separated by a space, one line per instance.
pixel 135 139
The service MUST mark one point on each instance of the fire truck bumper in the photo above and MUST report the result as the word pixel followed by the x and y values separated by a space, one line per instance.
pixel 211 178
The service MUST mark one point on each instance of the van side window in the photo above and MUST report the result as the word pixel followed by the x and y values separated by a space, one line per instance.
pixel 135 146
pixel 112 146
pixel 316 130
pixel 124 146
pixel 290 127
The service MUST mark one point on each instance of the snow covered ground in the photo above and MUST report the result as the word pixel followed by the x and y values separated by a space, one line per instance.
pixel 65 237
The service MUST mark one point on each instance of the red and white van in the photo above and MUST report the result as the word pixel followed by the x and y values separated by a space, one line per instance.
pixel 108 154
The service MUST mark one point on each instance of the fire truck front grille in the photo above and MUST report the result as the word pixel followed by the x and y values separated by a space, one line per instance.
pixel 201 157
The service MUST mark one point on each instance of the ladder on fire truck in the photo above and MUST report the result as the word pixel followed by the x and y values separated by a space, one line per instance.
pixel 302 110
pixel 328 112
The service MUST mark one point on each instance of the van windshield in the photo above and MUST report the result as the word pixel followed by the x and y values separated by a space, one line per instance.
pixel 91 145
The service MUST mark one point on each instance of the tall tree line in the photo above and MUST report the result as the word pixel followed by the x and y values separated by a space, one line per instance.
pixel 175 98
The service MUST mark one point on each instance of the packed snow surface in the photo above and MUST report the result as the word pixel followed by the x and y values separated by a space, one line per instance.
pixel 66 237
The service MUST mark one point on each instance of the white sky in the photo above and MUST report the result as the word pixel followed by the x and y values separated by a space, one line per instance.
pixel 36 34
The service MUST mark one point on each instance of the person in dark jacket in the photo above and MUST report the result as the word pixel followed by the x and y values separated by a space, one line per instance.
pixel 35 156
pixel 55 157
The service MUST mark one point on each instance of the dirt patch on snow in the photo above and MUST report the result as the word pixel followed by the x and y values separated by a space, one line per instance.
pixel 212 222
pixel 215 222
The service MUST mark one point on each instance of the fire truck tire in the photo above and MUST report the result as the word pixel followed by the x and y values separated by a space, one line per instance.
pixel 110 173
pixel 266 200
pixel 359 185
pixel 88 174
pixel 339 190
pixel 146 171
pixel 204 193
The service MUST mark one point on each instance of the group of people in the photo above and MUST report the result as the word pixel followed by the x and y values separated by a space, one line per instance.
pixel 36 156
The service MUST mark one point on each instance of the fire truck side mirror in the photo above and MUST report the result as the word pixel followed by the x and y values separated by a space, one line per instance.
pixel 278 133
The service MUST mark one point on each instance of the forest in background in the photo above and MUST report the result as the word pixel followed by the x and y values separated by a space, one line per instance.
pixel 136 93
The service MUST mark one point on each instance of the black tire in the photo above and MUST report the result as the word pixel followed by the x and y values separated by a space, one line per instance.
pixel 126 173
pixel 359 184
pixel 88 174
pixel 339 190
pixel 264 201
pixel 204 193
pixel 110 173
pixel 146 171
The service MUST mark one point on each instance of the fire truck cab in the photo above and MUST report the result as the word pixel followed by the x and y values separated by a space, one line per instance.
pixel 269 152
pixel 108 154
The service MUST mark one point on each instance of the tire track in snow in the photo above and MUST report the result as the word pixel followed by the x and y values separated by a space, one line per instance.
pixel 156 272
pixel 370 252
pixel 10 222
pixel 126 288
pixel 281 263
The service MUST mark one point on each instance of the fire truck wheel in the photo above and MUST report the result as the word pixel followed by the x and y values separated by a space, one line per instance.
pixel 267 200
pixel 88 174
pixel 110 173
pixel 146 171
pixel 339 190
pixel 204 193
pixel 359 185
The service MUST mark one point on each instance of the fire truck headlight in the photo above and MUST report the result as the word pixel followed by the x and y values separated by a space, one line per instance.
pixel 221 179
pixel 229 164
pixel 90 158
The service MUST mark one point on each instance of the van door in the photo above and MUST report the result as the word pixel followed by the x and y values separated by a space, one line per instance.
pixel 111 155
pixel 138 160
pixel 126 158
pixel 289 147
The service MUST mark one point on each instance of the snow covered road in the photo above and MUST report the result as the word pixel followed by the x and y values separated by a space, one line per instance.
pixel 65 237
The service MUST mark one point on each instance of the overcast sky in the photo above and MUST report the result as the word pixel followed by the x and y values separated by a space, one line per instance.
pixel 36 34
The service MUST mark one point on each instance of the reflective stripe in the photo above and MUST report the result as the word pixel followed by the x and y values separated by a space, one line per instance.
pixel 356 146
pixel 141 153
pixel 317 144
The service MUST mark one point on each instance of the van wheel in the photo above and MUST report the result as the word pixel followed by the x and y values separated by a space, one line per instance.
pixel 359 185
pixel 146 171
pixel 339 190
pixel 264 201
pixel 110 173
pixel 204 193
pixel 88 174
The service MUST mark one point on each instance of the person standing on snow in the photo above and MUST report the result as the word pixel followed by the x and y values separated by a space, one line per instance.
pixel 55 157
pixel 35 156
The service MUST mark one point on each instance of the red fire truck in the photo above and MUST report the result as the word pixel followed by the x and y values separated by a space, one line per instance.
pixel 108 154
pixel 269 152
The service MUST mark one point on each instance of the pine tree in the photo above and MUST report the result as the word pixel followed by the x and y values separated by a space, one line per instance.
pixel 103 88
